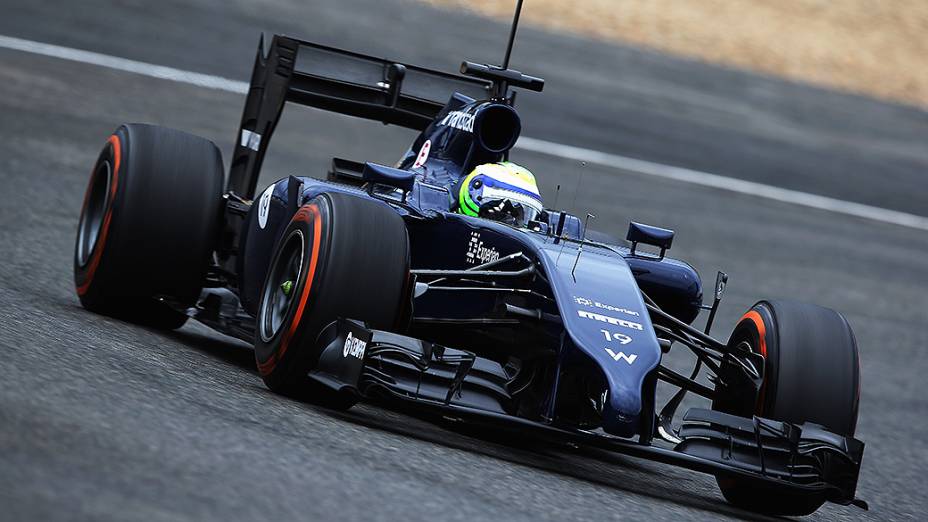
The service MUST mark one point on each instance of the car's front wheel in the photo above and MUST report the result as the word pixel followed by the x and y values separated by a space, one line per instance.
pixel 341 256
pixel 812 374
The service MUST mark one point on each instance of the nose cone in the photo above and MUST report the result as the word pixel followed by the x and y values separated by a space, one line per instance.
pixel 606 319
pixel 622 413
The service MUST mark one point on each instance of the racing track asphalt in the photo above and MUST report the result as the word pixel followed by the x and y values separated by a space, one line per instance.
pixel 104 420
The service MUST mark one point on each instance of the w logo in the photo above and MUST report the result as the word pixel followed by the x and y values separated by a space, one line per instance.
pixel 621 355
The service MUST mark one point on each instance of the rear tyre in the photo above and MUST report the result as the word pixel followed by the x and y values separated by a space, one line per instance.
pixel 148 223
pixel 341 256
pixel 812 374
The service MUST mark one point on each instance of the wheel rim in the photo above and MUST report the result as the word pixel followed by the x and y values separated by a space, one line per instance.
pixel 91 222
pixel 282 285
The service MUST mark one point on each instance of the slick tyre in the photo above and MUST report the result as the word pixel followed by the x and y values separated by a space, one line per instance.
pixel 341 256
pixel 812 374
pixel 148 224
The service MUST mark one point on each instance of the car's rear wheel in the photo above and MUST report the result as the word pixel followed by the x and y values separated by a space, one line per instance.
pixel 148 223
pixel 341 256
pixel 812 374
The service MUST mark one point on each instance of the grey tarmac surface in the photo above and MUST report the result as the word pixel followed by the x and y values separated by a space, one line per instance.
pixel 103 420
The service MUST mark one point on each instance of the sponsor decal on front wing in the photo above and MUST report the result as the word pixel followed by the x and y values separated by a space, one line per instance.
pixel 354 347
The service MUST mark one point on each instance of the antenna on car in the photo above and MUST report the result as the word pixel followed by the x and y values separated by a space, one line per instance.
pixel 502 77
pixel 579 183
pixel 586 225
pixel 512 34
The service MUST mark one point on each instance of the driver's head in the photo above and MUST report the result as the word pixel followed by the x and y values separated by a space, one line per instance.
pixel 503 191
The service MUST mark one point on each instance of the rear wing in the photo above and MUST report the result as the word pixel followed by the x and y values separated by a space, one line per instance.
pixel 349 83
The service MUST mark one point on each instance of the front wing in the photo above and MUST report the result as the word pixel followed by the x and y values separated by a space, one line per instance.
pixel 458 384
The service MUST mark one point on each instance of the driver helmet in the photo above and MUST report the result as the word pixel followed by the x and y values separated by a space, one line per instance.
pixel 502 191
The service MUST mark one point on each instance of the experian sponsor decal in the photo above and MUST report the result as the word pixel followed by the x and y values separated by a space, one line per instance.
pixel 583 301
pixel 478 252
pixel 615 321
pixel 459 120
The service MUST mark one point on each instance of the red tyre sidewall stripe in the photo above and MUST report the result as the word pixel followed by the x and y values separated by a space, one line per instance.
pixel 82 289
pixel 761 330
pixel 306 214
pixel 758 321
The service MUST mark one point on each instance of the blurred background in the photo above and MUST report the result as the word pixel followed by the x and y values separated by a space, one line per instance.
pixel 785 142
pixel 851 45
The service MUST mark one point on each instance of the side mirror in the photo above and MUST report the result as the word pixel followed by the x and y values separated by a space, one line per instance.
pixel 383 175
pixel 649 235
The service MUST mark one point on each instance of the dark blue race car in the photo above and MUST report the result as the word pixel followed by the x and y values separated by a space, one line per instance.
pixel 423 285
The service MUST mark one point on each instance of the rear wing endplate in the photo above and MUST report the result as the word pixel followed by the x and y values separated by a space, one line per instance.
pixel 341 81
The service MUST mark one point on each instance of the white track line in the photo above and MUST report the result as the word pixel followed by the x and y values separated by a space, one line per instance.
pixel 740 186
pixel 559 150
pixel 122 64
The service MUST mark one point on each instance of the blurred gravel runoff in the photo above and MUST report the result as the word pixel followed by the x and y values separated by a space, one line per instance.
pixel 854 45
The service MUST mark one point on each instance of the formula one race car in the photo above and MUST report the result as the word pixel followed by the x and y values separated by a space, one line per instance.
pixel 372 284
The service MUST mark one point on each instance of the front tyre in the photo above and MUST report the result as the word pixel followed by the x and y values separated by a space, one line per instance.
pixel 148 224
pixel 341 256
pixel 812 374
